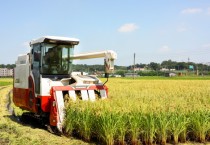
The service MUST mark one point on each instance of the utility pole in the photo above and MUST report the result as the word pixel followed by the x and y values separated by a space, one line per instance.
pixel 134 57
pixel 188 66
pixel 197 73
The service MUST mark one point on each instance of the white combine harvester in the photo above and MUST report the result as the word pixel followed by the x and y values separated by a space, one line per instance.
pixel 42 79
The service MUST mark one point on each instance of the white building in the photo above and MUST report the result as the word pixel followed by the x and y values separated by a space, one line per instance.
pixel 139 69
pixel 79 73
pixel 10 72
pixel 5 72
pixel 131 75
pixel 166 69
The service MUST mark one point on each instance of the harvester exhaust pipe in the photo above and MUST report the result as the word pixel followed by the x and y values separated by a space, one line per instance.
pixel 107 78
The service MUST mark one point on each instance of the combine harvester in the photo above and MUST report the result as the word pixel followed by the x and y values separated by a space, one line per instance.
pixel 43 80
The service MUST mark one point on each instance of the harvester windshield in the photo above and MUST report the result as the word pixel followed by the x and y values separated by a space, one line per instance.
pixel 56 59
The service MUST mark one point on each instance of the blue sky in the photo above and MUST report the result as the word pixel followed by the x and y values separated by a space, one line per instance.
pixel 156 30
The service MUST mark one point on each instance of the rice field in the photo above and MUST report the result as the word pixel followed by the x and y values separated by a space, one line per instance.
pixel 144 111
pixel 6 81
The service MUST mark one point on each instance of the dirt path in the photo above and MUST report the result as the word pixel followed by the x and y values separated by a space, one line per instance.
pixel 2 87
pixel 13 132
pixel 9 106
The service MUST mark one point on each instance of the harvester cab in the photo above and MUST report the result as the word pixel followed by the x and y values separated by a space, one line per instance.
pixel 43 80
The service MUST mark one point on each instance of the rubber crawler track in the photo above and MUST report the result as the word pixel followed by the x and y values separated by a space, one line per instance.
pixel 30 119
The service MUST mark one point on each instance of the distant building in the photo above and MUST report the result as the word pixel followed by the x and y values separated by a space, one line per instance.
pixel 10 72
pixel 170 74
pixel 166 69
pixel 79 73
pixel 118 76
pixel 5 72
pixel 131 75
pixel 139 69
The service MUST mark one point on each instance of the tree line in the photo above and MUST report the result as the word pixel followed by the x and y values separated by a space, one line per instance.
pixel 93 68
pixel 9 66
pixel 169 64
pixel 153 66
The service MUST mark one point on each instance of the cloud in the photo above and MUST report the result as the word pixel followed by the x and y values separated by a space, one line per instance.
pixel 130 27
pixel 164 49
pixel 208 11
pixel 206 45
pixel 181 29
pixel 191 11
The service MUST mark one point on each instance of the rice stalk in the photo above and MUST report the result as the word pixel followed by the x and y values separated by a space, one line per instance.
pixel 163 124
pixel 84 120
pixel 178 125
pixel 69 123
pixel 107 127
pixel 121 125
pixel 134 123
pixel 200 124
pixel 148 128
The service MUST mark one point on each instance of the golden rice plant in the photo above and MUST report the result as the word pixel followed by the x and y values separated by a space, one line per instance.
pixel 200 124
pixel 163 127
pixel 178 125
pixel 107 127
pixel 135 126
pixel 149 128
pixel 145 111
pixel 122 122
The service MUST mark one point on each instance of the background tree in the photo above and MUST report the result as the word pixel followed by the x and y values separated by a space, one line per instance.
pixel 154 66
pixel 169 64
